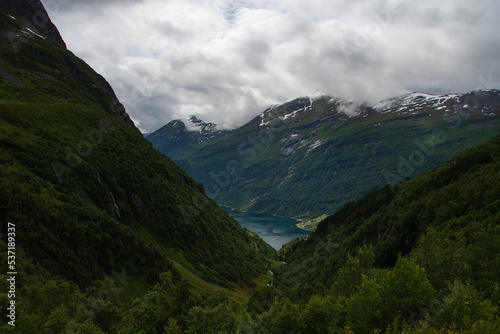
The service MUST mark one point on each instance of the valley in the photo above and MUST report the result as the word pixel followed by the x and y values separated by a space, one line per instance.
pixel 308 157
pixel 106 231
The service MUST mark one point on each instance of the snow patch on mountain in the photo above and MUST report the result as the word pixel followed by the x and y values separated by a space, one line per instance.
pixel 415 101
pixel 29 31
pixel 299 110
pixel 193 124
pixel 315 145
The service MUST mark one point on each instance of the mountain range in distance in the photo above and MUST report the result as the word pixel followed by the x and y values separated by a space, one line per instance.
pixel 309 156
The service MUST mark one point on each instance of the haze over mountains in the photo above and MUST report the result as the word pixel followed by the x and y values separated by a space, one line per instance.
pixel 309 156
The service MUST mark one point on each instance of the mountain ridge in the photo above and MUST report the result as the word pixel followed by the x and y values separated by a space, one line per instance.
pixel 182 137
pixel 259 166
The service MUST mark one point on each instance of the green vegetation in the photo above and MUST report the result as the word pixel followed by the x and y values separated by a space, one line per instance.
pixel 317 161
pixel 79 181
pixel 113 237
pixel 437 236
pixel 310 225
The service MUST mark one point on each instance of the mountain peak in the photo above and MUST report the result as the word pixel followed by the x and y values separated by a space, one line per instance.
pixel 32 13
pixel 303 108
pixel 328 142
pixel 194 124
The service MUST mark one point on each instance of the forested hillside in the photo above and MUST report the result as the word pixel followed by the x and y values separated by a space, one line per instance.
pixel 85 194
pixel 309 156
pixel 463 196
pixel 434 272
pixel 101 233
pixel 425 252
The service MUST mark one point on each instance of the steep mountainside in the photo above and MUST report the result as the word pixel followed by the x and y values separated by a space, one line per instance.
pixel 309 156
pixel 458 203
pixel 420 257
pixel 34 16
pixel 83 187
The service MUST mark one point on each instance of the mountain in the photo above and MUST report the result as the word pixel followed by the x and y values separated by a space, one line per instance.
pixel 34 16
pixel 87 194
pixel 181 138
pixel 101 233
pixel 309 156
pixel 421 256
pixel 394 219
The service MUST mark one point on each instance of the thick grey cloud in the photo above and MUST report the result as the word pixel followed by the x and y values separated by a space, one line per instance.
pixel 225 61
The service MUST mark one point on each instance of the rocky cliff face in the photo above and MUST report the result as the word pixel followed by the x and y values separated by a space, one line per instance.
pixel 33 13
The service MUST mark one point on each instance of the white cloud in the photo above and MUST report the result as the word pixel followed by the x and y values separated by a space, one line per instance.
pixel 227 60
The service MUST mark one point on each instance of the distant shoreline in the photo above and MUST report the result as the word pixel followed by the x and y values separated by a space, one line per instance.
pixel 311 224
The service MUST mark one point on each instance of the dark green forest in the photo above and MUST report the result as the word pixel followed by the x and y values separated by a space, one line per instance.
pixel 111 236
pixel 423 254
pixel 439 274
pixel 88 195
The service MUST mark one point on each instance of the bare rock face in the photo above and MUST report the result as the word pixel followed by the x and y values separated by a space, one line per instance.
pixel 33 11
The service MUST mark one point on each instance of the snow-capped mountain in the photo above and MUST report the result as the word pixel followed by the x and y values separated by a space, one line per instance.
pixel 192 123
pixel 309 156
pixel 413 101
pixel 476 101
pixel 483 101
pixel 181 137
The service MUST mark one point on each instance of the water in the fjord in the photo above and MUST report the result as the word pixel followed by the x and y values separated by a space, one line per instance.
pixel 276 231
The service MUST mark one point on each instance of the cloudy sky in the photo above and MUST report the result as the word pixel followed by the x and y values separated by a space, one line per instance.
pixel 226 61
